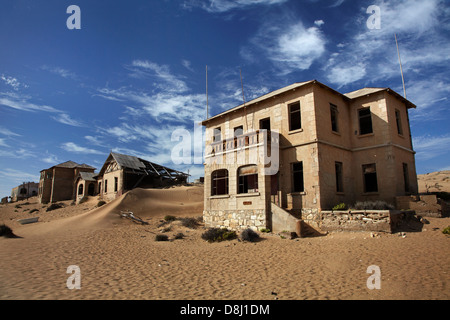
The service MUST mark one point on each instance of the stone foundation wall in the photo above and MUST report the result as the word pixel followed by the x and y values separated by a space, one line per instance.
pixel 361 220
pixel 236 219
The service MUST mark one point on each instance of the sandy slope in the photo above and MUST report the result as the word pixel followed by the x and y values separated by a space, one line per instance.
pixel 434 181
pixel 121 260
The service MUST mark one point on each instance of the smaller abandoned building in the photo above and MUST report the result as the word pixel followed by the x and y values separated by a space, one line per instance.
pixel 58 183
pixel 86 185
pixel 24 191
pixel 121 173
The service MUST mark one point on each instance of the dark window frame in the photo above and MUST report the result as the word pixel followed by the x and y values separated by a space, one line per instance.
pixel 295 116
pixel 365 121
pixel 247 182
pixel 339 172
pixel 298 178
pixel 334 113
pixel 219 177
pixel 370 177
pixel 398 120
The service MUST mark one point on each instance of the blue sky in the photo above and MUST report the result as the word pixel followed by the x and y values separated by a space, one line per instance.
pixel 135 72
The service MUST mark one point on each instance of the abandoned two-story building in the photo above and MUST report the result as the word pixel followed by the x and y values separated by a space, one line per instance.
pixel 306 148
pixel 58 183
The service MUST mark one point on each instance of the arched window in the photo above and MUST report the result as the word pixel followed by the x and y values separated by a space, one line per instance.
pixel 248 179
pixel 80 189
pixel 219 182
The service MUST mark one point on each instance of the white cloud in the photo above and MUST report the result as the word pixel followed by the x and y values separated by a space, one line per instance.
pixel 145 68
pixel 428 147
pixel 22 104
pixel 64 118
pixel 8 132
pixel 12 82
pixel 291 48
pixel 18 176
pixel 60 72
pixel 72 147
pixel 319 23
pixel 228 5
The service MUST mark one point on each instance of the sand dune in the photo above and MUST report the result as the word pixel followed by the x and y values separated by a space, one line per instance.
pixel 121 260
pixel 438 181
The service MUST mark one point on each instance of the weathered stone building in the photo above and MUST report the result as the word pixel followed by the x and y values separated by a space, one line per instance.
pixel 24 191
pixel 58 183
pixel 303 149
pixel 121 173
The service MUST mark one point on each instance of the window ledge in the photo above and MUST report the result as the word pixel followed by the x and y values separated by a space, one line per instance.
pixel 295 131
pixel 340 193
pixel 222 196
pixel 336 133
pixel 366 135
pixel 371 193
pixel 302 193
pixel 250 194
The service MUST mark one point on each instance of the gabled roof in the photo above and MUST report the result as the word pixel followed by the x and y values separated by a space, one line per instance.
pixel 140 166
pixel 261 98
pixel 87 176
pixel 71 165
pixel 368 91
pixel 349 96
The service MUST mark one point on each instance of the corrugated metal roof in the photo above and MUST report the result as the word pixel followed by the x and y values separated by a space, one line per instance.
pixel 126 161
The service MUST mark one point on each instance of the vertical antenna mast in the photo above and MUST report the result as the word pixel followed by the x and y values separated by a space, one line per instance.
pixel 243 98
pixel 401 69
pixel 207 107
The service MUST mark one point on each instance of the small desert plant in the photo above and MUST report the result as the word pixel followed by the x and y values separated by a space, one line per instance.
pixel 189 222
pixel 340 206
pixel 265 230
pixel 446 230
pixel 170 218
pixel 373 205
pixel 34 210
pixel 218 235
pixel 167 229
pixel 6 232
pixel 249 235
pixel 100 203
pixel 54 206
pixel 161 237
pixel 179 236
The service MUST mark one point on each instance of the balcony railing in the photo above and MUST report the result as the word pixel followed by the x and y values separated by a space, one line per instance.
pixel 239 142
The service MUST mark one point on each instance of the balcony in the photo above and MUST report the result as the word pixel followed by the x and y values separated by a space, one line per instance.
pixel 247 140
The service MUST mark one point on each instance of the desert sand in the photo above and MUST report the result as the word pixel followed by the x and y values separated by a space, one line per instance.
pixel 119 259
pixel 438 181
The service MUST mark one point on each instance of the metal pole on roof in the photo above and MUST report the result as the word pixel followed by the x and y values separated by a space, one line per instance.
pixel 207 107
pixel 401 69
pixel 243 98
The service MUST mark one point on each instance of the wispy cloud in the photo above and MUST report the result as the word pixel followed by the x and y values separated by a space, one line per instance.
pixel 64 118
pixel 413 21
pixel 12 82
pixel 18 176
pixel 72 147
pixel 218 6
pixel 165 79
pixel 19 103
pixel 60 72
pixel 429 147
pixel 6 132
